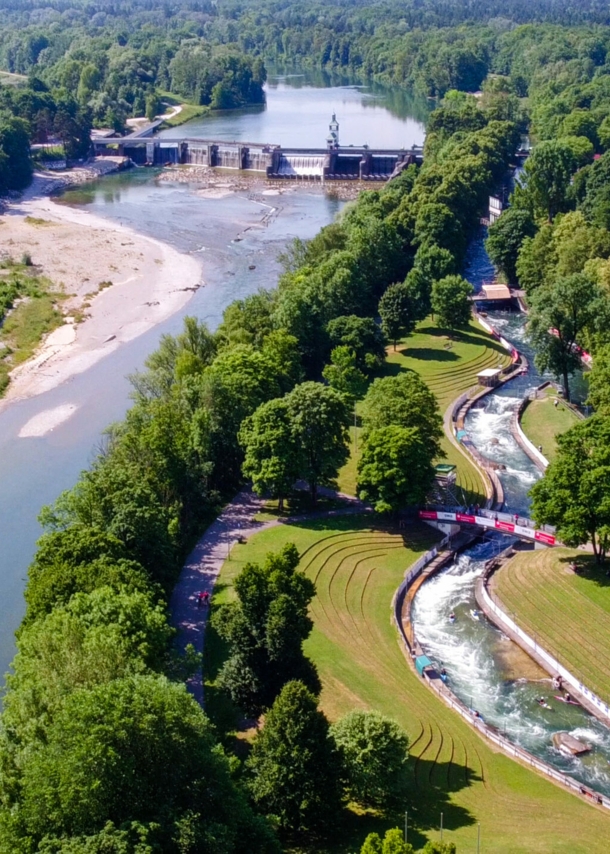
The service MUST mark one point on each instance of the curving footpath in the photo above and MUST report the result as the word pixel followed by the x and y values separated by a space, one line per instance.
pixel 203 565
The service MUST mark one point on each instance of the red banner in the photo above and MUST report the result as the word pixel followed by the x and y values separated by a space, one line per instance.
pixel 464 517
pixel 548 539
pixel 427 514
pixel 508 527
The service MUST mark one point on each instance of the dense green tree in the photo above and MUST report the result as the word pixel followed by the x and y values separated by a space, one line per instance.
pixel 398 312
pixel 405 401
pixel 450 302
pixel 505 238
pixel 78 559
pixel 559 316
pixel 574 494
pixel 599 381
pixel 294 764
pixel 548 171
pixel 537 258
pixel 394 843
pixel 320 419
pixel 395 469
pixel 93 639
pixel 135 749
pixel 374 751
pixel 363 336
pixel 271 454
pixel 344 375
pixel 15 161
pixel 372 844
pixel 265 630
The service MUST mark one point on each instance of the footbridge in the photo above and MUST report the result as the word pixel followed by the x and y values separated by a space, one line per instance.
pixel 505 523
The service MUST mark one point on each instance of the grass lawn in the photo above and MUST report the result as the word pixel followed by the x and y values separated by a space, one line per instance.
pixel 542 422
pixel 449 366
pixel 28 311
pixel 569 613
pixel 357 567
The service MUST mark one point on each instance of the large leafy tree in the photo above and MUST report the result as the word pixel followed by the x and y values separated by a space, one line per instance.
pixel 548 171
pixel 560 314
pixel 362 335
pixel 375 753
pixel 599 381
pixel 398 312
pixel 505 238
pixel 294 764
pixel 265 630
pixel 574 494
pixel 344 375
pixel 95 638
pixel 78 559
pixel 271 454
pixel 137 749
pixel 450 302
pixel 395 469
pixel 320 417
pixel 405 401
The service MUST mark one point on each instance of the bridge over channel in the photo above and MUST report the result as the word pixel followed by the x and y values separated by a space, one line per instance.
pixel 333 163
pixel 506 523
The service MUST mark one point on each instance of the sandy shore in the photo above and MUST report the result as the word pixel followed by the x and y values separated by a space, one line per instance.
pixel 81 254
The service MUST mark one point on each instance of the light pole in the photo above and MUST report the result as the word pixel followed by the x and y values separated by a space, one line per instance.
pixel 478 837
pixel 406 826
pixel 441 827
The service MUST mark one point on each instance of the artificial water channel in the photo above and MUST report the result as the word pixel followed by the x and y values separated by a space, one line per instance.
pixel 486 670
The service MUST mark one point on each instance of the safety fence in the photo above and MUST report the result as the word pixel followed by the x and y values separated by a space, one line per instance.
pixel 506 523
pixel 550 660
pixel 489 732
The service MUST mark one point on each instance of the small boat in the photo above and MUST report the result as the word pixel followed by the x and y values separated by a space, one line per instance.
pixel 474 614
pixel 544 705
pixel 568 745
pixel 570 702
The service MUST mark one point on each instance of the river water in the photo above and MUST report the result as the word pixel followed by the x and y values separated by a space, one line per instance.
pixel 231 235
pixel 486 670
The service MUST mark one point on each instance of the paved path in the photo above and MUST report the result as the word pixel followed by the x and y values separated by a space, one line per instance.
pixel 202 566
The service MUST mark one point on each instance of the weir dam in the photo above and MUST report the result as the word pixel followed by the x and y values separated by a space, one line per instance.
pixel 343 163
pixel 333 163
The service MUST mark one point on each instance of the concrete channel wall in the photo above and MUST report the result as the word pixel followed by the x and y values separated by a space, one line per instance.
pixel 491 733
pixel 550 663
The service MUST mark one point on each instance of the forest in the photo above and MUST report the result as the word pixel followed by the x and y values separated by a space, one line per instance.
pixel 101 747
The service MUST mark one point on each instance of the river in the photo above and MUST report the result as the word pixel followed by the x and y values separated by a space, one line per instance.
pixel 231 235
pixel 486 670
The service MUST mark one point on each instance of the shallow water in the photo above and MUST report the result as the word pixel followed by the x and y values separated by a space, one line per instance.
pixel 230 235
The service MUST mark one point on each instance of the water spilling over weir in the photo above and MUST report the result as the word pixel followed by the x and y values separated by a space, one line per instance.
pixel 486 670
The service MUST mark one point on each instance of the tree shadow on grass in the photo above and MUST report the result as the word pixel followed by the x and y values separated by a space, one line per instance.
pixel 588 568
pixel 423 803
pixel 429 354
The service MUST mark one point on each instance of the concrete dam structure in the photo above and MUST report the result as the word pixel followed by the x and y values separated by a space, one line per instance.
pixel 333 163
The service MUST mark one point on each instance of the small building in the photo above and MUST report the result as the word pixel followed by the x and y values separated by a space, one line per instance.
pixel 495 209
pixel 490 377
pixel 422 662
pixel 495 292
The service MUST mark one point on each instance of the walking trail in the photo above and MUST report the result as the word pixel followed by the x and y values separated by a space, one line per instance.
pixel 203 565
